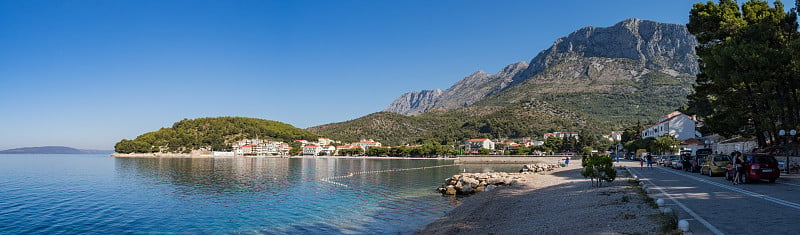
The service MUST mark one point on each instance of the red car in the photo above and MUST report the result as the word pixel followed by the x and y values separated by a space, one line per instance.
pixel 760 167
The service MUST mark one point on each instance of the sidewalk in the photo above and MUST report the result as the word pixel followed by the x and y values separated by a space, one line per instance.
pixel 793 178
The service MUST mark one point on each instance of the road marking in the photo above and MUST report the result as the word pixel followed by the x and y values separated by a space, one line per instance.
pixel 697 217
pixel 739 190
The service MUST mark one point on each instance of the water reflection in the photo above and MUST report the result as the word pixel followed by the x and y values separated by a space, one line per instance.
pixel 280 195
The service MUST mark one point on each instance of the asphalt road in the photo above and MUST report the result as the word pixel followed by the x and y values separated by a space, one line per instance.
pixel 713 205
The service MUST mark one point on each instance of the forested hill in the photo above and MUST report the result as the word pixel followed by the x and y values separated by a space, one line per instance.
pixel 212 133
pixel 43 150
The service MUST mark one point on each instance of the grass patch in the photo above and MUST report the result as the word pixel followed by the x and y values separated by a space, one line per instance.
pixel 668 223
pixel 633 184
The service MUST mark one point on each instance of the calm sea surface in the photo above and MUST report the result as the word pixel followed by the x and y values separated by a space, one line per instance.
pixel 79 194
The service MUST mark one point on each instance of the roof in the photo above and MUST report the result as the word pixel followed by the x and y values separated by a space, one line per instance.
pixel 669 119
pixel 673 113
pixel 477 140
pixel 692 141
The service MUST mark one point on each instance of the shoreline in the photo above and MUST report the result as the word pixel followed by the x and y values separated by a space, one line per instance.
pixel 204 155
pixel 559 201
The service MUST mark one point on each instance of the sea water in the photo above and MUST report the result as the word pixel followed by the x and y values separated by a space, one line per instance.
pixel 97 194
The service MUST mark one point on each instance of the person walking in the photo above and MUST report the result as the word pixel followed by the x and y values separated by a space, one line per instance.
pixel 566 161
pixel 737 169
pixel 649 161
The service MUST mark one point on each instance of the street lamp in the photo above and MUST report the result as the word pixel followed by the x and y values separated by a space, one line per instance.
pixel 786 137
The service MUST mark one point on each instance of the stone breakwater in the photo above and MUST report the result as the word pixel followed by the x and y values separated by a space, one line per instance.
pixel 470 183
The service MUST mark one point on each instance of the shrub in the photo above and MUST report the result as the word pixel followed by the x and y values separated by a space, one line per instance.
pixel 599 167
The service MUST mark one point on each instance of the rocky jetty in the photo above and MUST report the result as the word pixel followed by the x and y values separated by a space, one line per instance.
pixel 470 183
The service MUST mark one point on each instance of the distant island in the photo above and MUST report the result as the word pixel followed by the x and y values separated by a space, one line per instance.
pixel 53 150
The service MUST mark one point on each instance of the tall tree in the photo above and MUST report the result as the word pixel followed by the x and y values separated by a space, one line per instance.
pixel 748 81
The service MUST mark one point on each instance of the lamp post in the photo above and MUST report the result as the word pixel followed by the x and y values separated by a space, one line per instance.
pixel 786 137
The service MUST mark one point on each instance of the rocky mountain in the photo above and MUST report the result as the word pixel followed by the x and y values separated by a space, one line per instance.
pixel 596 79
pixel 414 102
pixel 626 51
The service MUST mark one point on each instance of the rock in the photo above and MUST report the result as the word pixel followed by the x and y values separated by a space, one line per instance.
pixel 450 190
pixel 490 188
pixel 480 189
pixel 467 190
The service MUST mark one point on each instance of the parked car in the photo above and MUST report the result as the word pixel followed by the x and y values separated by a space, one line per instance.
pixel 698 159
pixel 670 160
pixel 715 164
pixel 678 162
pixel 760 167
pixel 657 160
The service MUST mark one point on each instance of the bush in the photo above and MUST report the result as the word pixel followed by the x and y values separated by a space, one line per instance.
pixel 599 167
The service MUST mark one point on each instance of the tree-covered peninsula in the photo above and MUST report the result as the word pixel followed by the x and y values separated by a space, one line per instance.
pixel 210 133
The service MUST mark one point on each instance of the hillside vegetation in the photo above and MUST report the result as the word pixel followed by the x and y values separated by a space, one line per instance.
pixel 210 133
pixel 526 119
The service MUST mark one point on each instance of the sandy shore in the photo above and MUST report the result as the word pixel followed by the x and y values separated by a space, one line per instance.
pixel 559 202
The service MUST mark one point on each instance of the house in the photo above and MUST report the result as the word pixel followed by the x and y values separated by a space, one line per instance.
pixel 561 135
pixel 324 141
pixel 676 124
pixel 616 135
pixel 312 150
pixel 473 145
pixel 366 144
pixel 257 147
pixel 692 145
pixel 744 145
pixel 511 146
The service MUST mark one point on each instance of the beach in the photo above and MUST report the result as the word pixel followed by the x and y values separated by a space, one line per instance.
pixel 557 202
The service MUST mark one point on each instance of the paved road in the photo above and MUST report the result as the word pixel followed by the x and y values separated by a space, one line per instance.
pixel 716 206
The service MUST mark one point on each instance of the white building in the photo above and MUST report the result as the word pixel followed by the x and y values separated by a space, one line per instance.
pixel 616 135
pixel 312 150
pixel 366 144
pixel 561 135
pixel 675 123
pixel 473 145
pixel 743 145
pixel 257 147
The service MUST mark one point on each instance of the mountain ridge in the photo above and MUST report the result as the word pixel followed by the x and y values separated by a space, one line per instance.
pixel 596 79
pixel 656 45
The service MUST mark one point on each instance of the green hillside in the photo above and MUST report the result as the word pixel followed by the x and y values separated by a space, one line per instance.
pixel 526 119
pixel 211 133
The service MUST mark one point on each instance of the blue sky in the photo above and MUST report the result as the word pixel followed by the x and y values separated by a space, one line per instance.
pixel 86 74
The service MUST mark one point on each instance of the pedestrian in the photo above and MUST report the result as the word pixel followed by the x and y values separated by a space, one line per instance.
pixel 566 161
pixel 737 168
pixel 649 161
pixel 641 162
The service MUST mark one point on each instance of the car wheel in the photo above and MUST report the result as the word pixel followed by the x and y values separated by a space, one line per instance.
pixel 744 178
pixel 772 181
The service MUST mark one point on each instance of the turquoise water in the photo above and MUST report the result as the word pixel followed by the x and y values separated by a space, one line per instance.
pixel 80 194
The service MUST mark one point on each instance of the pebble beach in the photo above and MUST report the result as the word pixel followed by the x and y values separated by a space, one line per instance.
pixel 556 202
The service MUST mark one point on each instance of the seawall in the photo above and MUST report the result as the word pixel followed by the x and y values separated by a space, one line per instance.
pixel 511 159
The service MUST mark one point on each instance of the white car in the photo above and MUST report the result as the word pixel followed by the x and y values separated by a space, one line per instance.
pixel 677 163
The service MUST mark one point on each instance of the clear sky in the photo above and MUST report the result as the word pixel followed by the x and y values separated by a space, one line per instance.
pixel 86 74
